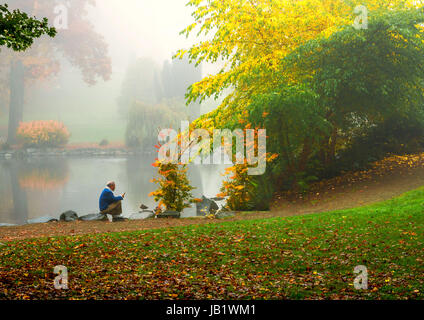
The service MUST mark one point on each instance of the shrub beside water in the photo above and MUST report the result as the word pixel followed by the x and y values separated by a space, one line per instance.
pixel 238 188
pixel 43 134
pixel 174 192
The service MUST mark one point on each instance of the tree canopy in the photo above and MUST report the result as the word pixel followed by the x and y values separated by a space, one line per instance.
pixel 253 37
pixel 318 84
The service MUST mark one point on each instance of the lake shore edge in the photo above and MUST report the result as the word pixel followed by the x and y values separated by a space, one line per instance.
pixel 72 152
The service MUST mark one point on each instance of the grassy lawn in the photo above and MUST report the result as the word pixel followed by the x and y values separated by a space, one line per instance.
pixel 311 256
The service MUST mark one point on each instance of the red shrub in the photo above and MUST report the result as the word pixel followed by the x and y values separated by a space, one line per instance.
pixel 43 134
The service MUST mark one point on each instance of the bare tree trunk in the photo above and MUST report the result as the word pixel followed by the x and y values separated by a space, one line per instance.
pixel 304 157
pixel 17 91
pixel 332 148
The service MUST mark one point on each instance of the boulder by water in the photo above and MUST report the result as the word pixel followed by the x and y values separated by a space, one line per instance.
pixel 145 214
pixel 150 214
pixel 119 219
pixel 7 225
pixel 42 220
pixel 69 216
pixel 169 214
pixel 206 207
pixel 93 217
pixel 147 211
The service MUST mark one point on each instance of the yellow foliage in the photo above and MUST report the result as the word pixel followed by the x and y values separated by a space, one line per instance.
pixel 253 36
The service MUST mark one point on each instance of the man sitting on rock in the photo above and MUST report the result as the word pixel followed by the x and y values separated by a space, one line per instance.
pixel 108 203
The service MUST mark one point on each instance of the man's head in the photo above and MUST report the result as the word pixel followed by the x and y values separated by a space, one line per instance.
pixel 111 185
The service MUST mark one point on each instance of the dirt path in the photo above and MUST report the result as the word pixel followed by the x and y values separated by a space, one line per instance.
pixel 387 179
pixel 360 194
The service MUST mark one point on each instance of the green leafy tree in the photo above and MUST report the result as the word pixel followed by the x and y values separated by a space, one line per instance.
pixel 337 88
pixel 294 121
pixel 363 77
pixel 18 30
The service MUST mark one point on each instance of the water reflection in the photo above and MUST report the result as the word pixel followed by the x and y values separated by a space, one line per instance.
pixel 43 175
pixel 46 187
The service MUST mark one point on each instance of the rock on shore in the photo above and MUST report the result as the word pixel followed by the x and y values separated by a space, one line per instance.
pixel 45 219
pixel 206 207
pixel 68 216
pixel 169 214
pixel 93 217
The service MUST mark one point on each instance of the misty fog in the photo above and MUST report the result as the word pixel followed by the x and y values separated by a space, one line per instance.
pixel 133 30
pixel 109 76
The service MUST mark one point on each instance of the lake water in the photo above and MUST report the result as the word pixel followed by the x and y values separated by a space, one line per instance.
pixel 35 188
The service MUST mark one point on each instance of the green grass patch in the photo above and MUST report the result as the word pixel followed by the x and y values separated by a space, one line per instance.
pixel 302 257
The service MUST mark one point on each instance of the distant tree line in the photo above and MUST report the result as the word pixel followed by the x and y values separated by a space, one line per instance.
pixel 153 98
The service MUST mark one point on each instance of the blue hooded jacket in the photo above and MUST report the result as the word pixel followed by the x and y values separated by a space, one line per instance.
pixel 107 198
